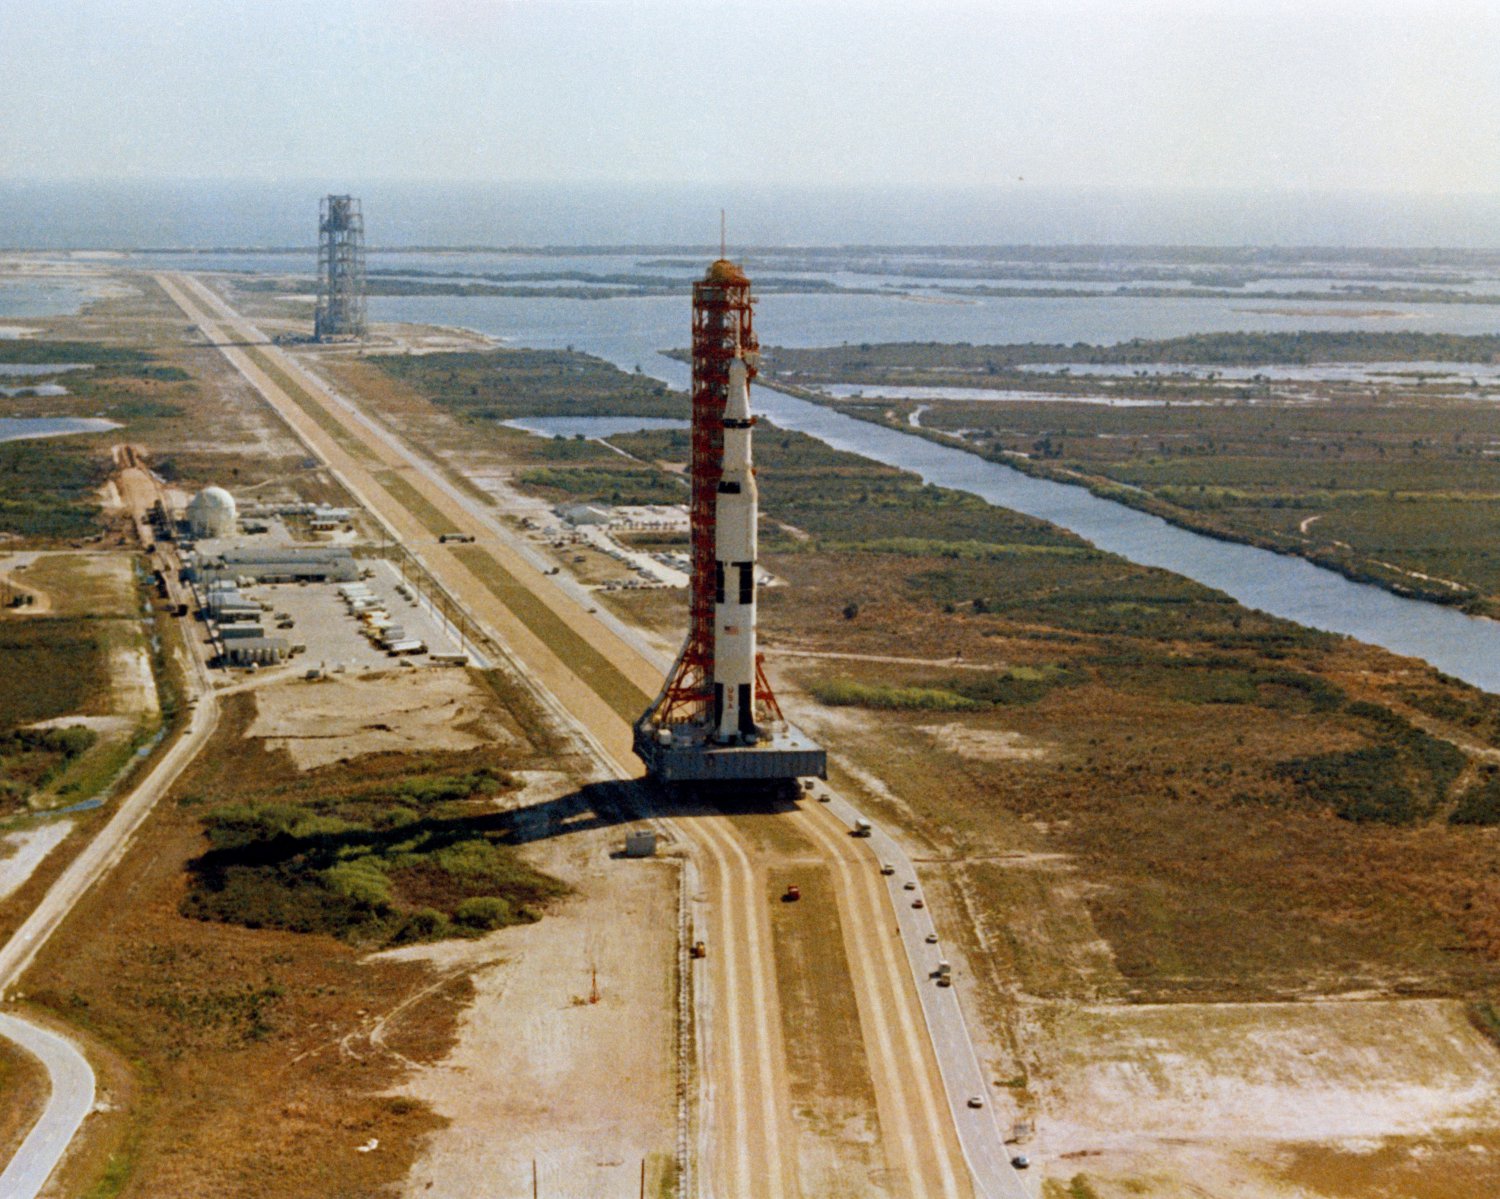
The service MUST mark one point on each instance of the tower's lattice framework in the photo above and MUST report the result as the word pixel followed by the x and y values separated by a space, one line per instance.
pixel 716 721
pixel 340 309
pixel 723 329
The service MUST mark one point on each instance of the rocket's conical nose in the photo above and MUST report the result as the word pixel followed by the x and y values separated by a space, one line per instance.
pixel 737 405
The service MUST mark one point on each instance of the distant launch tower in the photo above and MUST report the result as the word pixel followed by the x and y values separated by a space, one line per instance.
pixel 716 718
pixel 341 269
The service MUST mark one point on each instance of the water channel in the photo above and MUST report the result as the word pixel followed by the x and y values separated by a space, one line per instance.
pixel 1463 646
pixel 32 427
pixel 631 333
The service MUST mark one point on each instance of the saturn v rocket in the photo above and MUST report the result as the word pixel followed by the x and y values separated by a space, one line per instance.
pixel 736 513
pixel 716 718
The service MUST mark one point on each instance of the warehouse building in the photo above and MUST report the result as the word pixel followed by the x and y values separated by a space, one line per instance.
pixel 332 564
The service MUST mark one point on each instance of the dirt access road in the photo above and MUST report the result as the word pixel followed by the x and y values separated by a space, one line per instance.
pixel 602 683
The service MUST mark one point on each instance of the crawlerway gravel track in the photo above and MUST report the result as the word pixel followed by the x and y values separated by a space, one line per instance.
pixel 748 1147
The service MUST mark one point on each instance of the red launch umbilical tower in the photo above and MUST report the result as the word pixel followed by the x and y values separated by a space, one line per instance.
pixel 715 721
pixel 723 329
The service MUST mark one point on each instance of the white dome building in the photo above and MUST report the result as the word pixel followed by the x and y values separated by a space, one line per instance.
pixel 211 513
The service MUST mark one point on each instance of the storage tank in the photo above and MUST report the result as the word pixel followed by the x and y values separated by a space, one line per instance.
pixel 211 513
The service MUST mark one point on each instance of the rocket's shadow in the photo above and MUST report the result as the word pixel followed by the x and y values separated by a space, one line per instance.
pixel 609 804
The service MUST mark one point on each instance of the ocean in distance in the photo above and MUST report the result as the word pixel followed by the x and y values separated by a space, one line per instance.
pixel 76 215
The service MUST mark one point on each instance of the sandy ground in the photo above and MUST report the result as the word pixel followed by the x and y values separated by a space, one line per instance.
pixel 22 851
pixel 1330 1071
pixel 103 725
pixel 986 745
pixel 134 684
pixel 1209 1099
pixel 539 1072
pixel 321 721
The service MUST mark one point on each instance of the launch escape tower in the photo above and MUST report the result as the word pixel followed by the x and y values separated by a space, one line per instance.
pixel 341 269
pixel 716 719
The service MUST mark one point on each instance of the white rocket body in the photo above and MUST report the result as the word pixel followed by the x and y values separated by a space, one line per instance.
pixel 736 512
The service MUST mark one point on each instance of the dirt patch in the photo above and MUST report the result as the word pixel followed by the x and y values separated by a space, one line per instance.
pixel 1122 1083
pixel 583 1088
pixel 326 720
pixel 1338 1099
pixel 103 725
pixel 83 584
pixel 22 852
pixel 132 680
pixel 986 745
pixel 1411 1167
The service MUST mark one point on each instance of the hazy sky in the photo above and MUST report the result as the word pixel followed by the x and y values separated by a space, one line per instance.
pixel 1318 94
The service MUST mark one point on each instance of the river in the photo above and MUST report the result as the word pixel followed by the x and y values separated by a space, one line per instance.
pixel 632 332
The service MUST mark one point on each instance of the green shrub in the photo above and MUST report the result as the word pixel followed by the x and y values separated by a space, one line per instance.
pixel 427 924
pixel 362 880
pixel 1480 804
pixel 1018 685
pixel 847 693
pixel 1361 785
pixel 484 912
pixel 367 867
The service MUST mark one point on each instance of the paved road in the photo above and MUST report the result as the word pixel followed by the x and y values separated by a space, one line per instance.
pixel 963 1076
pixel 44 1146
pixel 750 1150
pixel 752 1146
pixel 71 1101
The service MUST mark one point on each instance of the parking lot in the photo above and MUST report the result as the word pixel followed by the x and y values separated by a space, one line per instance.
pixel 334 635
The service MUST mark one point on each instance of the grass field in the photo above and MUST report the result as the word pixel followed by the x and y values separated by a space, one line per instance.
pixel 583 659
pixel 23 1082
pixel 49 668
pixel 1391 479
pixel 505 384
pixel 1205 767
pixel 215 1017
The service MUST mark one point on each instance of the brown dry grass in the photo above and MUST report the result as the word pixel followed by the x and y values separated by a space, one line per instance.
pixel 1466 1167
pixel 249 1049
pixel 1203 871
pixel 85 584
pixel 23 1082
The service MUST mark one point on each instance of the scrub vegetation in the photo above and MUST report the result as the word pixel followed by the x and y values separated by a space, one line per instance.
pixel 1262 810
pixel 123 383
pixel 899 362
pixel 47 489
pixel 1390 479
pixel 506 384
pixel 1206 766
pixel 49 667
pixel 224 965
pixel 388 852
